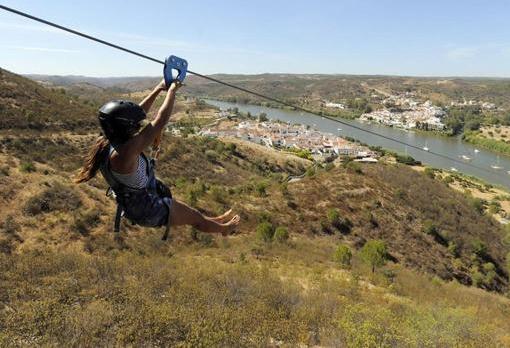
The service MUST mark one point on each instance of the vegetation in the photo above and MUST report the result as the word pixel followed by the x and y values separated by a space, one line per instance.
pixel 375 253
pixel 343 255
pixel 487 143
pixel 66 281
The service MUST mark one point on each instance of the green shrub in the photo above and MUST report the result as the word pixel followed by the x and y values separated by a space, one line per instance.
pixel 407 160
pixel 477 277
pixel 490 273
pixel 375 253
pixel 260 188
pixel 453 249
pixel 281 234
pixel 478 204
pixel 494 207
pixel 508 262
pixel 430 228
pixel 448 179
pixel 212 156
pixel 27 167
pixel 354 166
pixel 333 216
pixel 429 172
pixel 479 248
pixel 343 255
pixel 265 232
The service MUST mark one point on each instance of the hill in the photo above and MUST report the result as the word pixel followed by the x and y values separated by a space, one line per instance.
pixel 67 281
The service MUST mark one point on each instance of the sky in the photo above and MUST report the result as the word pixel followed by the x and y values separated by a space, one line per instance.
pixel 386 37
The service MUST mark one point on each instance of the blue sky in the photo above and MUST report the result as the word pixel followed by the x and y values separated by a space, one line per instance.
pixel 425 38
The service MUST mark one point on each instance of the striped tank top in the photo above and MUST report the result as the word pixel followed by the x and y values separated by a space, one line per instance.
pixel 137 179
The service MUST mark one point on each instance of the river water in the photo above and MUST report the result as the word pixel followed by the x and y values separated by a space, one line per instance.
pixel 450 146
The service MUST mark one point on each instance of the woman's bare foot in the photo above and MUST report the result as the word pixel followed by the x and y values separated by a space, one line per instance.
pixel 223 217
pixel 230 226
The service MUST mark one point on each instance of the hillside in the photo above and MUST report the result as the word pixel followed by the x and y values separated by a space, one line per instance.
pixel 67 281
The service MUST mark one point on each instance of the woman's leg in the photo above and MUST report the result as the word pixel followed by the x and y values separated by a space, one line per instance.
pixel 182 214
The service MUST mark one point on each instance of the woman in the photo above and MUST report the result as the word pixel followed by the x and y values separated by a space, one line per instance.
pixel 118 154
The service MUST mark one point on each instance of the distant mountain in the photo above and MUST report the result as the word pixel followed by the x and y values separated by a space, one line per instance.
pixel 129 84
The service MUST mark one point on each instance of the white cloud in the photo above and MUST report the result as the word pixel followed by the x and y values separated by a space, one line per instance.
pixel 30 27
pixel 41 49
pixel 460 53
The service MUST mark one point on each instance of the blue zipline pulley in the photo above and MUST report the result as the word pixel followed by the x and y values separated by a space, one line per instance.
pixel 175 69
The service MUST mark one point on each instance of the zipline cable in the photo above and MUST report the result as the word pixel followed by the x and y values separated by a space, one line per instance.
pixel 278 101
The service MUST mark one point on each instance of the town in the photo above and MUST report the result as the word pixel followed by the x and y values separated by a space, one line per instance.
pixel 290 137
pixel 404 112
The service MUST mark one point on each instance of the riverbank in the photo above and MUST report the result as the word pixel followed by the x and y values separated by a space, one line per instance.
pixel 477 138
pixel 452 149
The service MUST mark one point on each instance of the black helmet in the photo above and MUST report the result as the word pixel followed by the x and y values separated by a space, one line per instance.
pixel 120 120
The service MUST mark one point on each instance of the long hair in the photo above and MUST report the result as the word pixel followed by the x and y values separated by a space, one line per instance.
pixel 95 157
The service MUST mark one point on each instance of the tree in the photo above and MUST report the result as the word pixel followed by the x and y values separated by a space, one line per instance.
pixel 374 253
pixel 263 117
pixel 343 255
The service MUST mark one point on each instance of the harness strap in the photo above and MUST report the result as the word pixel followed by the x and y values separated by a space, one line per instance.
pixel 118 215
pixel 167 228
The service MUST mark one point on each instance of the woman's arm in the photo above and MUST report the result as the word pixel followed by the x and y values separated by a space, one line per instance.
pixel 125 159
pixel 149 100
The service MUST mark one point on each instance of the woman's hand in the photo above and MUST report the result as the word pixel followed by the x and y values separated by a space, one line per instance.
pixel 162 86
pixel 176 84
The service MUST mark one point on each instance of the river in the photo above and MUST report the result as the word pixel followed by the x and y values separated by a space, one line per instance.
pixel 452 147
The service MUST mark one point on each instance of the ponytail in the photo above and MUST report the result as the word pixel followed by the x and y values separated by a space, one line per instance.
pixel 95 157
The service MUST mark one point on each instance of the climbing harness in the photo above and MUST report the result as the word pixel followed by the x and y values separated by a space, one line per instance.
pixel 142 206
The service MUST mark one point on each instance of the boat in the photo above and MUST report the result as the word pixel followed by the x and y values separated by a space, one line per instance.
pixel 453 169
pixel 476 150
pixel 426 148
pixel 466 158
pixel 496 166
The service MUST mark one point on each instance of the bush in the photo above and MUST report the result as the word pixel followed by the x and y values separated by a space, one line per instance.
pixel 374 253
pixel 410 161
pixel 476 277
pixel 508 262
pixel 343 225
pixel 265 231
pixel 343 255
pixel 448 179
pixel 334 217
pixel 212 156
pixel 281 234
pixel 58 197
pixel 490 273
pixel 27 167
pixel 354 166
pixel 479 248
pixel 261 188
pixel 84 222
pixel 429 172
pixel 430 228
pixel 453 249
